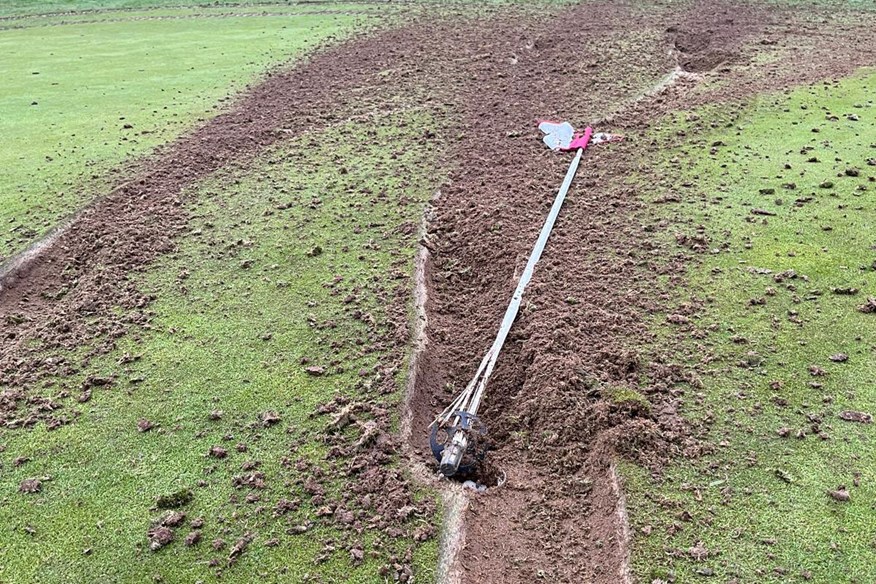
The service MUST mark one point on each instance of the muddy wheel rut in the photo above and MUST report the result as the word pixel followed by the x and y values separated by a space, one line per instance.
pixel 580 336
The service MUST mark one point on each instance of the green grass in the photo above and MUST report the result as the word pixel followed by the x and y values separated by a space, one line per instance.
pixel 27 7
pixel 247 270
pixel 70 92
pixel 23 8
pixel 760 501
pixel 194 12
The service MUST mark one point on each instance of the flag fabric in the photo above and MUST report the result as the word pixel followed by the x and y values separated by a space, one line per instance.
pixel 562 136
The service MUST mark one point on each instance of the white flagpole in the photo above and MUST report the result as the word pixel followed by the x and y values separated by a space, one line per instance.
pixel 469 400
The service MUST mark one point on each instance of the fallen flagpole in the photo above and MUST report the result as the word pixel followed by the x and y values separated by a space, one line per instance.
pixel 459 424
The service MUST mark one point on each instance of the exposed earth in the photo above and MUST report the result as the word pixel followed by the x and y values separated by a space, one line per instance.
pixel 563 404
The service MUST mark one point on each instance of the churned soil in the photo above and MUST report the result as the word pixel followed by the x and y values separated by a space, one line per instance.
pixel 553 408
pixel 558 406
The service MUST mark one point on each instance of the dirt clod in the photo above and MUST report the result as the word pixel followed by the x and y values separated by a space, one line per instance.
pixel 852 416
pixel 159 537
pixel 840 494
pixel 270 418
pixel 30 486
pixel 193 538
pixel 173 519
pixel 144 425
pixel 239 548
pixel 869 306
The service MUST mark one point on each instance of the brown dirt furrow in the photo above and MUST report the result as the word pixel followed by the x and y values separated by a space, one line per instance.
pixel 579 329
pixel 581 344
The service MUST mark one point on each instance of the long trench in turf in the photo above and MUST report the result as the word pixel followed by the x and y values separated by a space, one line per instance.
pixel 580 337
pixel 580 342
pixel 558 515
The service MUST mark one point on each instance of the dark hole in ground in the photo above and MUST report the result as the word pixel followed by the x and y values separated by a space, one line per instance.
pixel 701 51
pixel 488 473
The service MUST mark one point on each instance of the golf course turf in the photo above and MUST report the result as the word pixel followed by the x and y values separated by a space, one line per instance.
pixel 212 366
pixel 102 92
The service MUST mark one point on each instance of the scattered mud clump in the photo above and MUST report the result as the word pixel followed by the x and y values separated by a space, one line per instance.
pixel 173 519
pixel 217 452
pixel 159 537
pixel 852 416
pixel 840 494
pixel 270 418
pixel 30 486
pixel 868 307
pixel 239 548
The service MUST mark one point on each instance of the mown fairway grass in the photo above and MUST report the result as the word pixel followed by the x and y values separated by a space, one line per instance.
pixel 759 504
pixel 17 8
pixel 79 99
pixel 242 302
pixel 28 7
